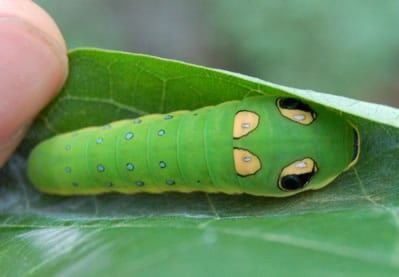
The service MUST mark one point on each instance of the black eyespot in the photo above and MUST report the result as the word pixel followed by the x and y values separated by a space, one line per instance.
pixel 295 182
pixel 295 110
pixel 294 104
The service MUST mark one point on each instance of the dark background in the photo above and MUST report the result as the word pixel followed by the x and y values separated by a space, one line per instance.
pixel 348 48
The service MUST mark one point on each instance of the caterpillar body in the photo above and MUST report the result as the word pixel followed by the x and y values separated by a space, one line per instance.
pixel 268 146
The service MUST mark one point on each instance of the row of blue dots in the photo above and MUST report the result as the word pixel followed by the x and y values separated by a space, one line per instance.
pixel 129 136
pixel 135 121
pixel 139 120
pixel 169 182
pixel 129 167
pixel 138 183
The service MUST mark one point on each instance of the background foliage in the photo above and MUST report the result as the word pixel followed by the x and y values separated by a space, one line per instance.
pixel 348 48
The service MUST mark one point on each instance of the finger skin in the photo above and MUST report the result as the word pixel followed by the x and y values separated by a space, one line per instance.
pixel 33 68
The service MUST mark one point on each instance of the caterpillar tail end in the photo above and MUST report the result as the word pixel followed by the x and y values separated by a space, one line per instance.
pixel 39 170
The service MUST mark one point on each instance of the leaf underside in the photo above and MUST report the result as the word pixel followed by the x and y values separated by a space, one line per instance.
pixel 351 226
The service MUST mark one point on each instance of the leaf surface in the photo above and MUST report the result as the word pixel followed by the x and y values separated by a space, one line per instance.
pixel 350 227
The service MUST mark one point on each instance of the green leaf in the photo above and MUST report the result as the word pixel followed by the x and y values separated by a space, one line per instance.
pixel 350 227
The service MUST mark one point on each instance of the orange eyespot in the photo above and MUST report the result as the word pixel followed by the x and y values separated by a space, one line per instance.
pixel 296 111
pixel 296 175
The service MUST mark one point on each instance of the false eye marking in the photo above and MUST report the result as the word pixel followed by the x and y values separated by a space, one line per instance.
pixel 244 123
pixel 245 162
pixel 296 110
pixel 296 175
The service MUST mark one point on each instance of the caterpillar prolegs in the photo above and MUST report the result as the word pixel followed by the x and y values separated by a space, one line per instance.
pixel 269 146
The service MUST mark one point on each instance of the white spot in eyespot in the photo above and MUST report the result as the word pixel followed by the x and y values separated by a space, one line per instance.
pixel 245 125
pixel 247 159
pixel 299 117
pixel 301 164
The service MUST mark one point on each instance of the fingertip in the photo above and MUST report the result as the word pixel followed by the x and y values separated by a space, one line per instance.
pixel 34 15
pixel 33 68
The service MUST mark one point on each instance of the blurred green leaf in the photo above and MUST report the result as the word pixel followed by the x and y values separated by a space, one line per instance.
pixel 350 48
pixel 350 227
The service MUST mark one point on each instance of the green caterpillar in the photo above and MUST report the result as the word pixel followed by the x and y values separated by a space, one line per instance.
pixel 269 146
